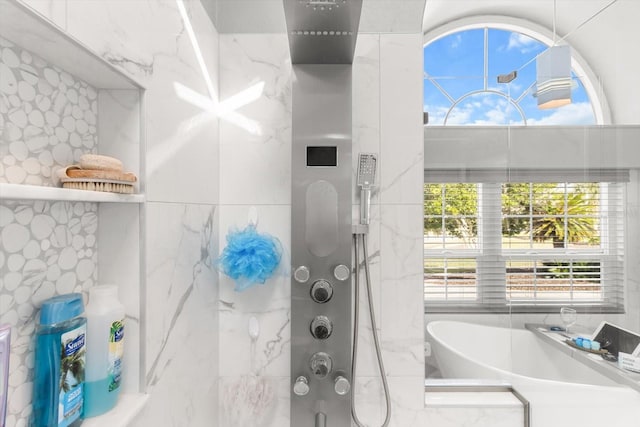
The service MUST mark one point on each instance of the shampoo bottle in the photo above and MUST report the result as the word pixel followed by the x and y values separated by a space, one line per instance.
pixel 59 370
pixel 105 347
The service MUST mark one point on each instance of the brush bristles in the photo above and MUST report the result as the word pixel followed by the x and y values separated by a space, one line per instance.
pixel 107 187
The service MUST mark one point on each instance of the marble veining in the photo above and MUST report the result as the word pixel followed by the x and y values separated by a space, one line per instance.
pixel 182 320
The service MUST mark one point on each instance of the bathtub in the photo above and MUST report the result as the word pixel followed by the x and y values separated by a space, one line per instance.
pixel 562 391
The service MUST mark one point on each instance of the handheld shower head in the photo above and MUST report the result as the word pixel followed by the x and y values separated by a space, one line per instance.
pixel 367 163
pixel 367 169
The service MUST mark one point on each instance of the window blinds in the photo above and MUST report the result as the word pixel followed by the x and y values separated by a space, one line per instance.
pixel 497 269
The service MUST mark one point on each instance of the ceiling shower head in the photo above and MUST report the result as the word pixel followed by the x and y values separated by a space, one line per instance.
pixel 322 31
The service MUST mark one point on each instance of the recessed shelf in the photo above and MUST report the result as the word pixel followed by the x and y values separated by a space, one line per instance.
pixel 129 406
pixel 37 192
pixel 26 28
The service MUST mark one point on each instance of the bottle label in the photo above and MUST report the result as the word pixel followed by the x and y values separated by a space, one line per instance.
pixel 116 351
pixel 72 363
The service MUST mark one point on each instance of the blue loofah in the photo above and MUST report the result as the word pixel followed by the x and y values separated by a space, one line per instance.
pixel 250 257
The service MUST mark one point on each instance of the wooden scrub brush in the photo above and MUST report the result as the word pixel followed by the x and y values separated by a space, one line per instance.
pixel 97 173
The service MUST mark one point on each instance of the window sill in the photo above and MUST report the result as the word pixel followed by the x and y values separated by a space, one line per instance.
pixel 454 308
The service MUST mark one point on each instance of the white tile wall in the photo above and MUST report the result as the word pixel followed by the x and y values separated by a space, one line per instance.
pixel 396 223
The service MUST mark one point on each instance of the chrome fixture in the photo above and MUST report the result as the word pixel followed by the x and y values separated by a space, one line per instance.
pixel 321 328
pixel 301 274
pixel 341 385
pixel 366 178
pixel 301 386
pixel 322 36
pixel 322 31
pixel 341 272
pixel 321 291
pixel 321 364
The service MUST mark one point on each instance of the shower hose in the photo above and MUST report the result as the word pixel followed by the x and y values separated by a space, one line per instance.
pixel 374 329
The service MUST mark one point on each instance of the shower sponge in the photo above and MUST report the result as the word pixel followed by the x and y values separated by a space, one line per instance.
pixel 250 257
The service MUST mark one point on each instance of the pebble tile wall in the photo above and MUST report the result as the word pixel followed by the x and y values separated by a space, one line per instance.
pixel 47 120
pixel 47 117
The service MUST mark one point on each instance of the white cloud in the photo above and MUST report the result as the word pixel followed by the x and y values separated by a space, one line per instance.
pixel 573 114
pixel 456 41
pixel 523 43
pixel 437 114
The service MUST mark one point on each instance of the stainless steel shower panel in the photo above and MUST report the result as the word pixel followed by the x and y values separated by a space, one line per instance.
pixel 321 246
pixel 322 31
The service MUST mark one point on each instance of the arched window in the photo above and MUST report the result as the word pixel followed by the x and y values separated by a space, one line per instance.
pixel 461 86
pixel 525 238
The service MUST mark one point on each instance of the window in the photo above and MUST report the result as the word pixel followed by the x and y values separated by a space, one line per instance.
pixel 461 88
pixel 519 240
pixel 523 246
pixel 528 239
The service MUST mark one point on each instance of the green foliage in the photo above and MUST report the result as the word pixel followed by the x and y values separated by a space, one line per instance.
pixel 458 203
pixel 576 227
pixel 544 209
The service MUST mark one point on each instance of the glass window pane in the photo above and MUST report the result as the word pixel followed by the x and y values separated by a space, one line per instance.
pixel 485 108
pixel 457 55
pixel 509 51
pixel 435 103
pixel 461 199
pixel 516 233
pixel 554 280
pixel 450 279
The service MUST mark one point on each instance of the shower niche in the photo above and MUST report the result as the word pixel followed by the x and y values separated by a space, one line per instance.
pixel 59 100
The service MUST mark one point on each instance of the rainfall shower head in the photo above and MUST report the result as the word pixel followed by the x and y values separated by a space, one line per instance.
pixel 367 170
pixel 322 31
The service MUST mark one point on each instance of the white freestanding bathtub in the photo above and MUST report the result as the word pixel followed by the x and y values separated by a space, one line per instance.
pixel 562 391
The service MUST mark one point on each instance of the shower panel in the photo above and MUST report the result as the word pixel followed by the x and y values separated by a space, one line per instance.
pixel 321 246
pixel 322 36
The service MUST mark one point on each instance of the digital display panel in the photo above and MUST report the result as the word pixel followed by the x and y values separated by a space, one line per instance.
pixel 322 156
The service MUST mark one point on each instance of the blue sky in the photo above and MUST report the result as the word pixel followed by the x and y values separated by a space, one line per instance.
pixel 456 64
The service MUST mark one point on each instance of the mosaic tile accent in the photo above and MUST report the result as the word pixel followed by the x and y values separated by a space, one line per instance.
pixel 48 118
pixel 46 249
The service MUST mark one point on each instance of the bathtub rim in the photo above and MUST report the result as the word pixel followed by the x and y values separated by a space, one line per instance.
pixel 511 376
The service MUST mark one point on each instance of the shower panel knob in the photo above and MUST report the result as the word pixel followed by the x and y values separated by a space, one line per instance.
pixel 320 364
pixel 321 327
pixel 341 272
pixel 341 385
pixel 301 386
pixel 301 274
pixel 321 291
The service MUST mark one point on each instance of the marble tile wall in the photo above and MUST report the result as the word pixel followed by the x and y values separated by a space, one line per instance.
pixel 149 40
pixel 259 166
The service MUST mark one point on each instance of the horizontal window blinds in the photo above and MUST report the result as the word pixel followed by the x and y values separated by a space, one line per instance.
pixel 524 247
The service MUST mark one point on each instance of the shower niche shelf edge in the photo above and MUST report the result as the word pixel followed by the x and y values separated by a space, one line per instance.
pixel 38 192
pixel 120 231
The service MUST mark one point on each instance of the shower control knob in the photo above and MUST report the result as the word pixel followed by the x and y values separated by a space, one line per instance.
pixel 321 327
pixel 321 291
pixel 341 272
pixel 301 274
pixel 341 385
pixel 320 364
pixel 301 386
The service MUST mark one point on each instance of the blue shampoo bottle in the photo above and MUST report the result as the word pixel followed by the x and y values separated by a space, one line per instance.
pixel 58 386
